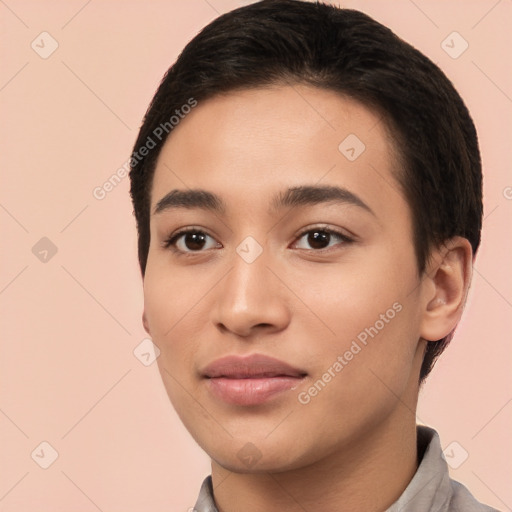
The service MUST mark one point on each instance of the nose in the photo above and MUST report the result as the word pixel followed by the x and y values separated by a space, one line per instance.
pixel 251 299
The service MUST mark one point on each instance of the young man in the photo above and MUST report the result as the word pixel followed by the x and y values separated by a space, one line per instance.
pixel 306 239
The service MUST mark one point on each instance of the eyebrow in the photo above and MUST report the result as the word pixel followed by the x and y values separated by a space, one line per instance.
pixel 305 195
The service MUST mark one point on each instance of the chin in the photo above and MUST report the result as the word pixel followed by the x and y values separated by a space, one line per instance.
pixel 260 467
pixel 246 457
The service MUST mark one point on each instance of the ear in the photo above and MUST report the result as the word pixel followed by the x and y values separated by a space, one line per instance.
pixel 448 276
pixel 145 322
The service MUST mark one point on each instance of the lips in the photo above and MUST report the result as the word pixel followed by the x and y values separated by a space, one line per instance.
pixel 252 380
pixel 250 367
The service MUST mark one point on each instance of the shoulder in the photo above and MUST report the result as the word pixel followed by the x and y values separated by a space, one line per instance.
pixel 432 488
pixel 463 501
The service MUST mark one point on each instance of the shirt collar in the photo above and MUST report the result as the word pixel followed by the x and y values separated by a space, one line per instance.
pixel 428 491
pixel 430 488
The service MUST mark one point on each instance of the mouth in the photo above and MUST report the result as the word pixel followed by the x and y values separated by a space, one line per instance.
pixel 250 380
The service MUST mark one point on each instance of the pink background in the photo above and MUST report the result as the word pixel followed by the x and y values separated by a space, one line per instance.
pixel 70 325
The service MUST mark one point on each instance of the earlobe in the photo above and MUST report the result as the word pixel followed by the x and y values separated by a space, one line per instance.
pixel 145 322
pixel 449 275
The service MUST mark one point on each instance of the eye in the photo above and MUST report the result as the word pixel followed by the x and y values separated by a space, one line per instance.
pixel 193 240
pixel 321 238
pixel 190 240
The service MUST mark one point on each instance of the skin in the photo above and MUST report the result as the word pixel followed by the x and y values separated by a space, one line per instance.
pixel 296 302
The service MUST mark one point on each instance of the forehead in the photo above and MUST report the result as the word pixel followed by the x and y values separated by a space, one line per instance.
pixel 249 143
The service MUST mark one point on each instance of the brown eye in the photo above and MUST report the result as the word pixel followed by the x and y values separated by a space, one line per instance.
pixel 190 241
pixel 194 241
pixel 319 239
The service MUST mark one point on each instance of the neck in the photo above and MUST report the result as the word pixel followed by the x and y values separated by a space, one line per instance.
pixel 369 475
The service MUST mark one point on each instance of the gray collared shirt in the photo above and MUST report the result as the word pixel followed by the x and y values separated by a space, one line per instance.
pixel 430 490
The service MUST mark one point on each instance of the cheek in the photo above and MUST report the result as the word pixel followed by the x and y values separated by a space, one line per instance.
pixel 170 298
pixel 352 295
pixel 370 317
pixel 359 373
pixel 171 308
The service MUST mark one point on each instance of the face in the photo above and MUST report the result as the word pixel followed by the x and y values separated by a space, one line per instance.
pixel 300 249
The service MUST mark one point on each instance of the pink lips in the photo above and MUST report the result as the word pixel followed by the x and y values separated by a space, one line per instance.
pixel 250 380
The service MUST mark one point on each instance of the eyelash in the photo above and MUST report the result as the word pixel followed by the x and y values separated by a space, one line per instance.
pixel 169 243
